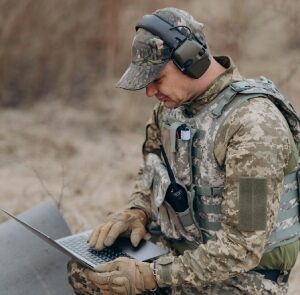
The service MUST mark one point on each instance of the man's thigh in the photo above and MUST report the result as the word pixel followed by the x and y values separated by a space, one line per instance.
pixel 78 280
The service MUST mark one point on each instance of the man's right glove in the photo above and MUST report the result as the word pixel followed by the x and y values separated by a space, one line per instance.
pixel 123 276
pixel 129 223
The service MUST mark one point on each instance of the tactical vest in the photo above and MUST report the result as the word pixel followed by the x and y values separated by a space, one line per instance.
pixel 192 151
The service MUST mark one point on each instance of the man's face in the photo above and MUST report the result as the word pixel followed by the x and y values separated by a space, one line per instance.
pixel 171 87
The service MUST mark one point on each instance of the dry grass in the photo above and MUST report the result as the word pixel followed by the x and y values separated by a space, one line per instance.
pixel 68 134
pixel 65 48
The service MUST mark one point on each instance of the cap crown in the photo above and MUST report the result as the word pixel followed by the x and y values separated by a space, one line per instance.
pixel 148 49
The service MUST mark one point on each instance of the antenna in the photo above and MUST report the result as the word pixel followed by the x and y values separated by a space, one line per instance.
pixel 170 172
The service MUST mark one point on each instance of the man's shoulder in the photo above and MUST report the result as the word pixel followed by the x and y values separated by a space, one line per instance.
pixel 256 111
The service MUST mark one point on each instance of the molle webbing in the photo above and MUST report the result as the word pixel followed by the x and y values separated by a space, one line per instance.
pixel 209 214
pixel 287 227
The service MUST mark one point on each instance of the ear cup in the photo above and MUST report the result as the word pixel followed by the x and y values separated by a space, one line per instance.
pixel 191 58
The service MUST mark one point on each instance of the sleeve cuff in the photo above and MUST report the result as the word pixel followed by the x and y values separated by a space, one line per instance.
pixel 165 271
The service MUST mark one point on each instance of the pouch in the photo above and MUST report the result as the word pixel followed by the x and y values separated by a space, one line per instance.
pixel 177 141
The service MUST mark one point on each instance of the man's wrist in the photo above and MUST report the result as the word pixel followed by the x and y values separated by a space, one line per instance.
pixel 163 271
pixel 143 214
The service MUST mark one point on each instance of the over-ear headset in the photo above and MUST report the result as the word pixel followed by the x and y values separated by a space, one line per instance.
pixel 188 52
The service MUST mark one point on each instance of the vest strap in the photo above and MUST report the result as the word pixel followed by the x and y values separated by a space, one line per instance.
pixel 215 209
pixel 226 96
pixel 196 170
pixel 185 217
pixel 286 236
pixel 210 226
pixel 196 153
pixel 209 190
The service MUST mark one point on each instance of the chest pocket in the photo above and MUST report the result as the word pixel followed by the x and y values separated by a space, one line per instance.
pixel 177 139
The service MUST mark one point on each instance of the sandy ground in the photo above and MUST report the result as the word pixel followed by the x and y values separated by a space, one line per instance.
pixel 74 156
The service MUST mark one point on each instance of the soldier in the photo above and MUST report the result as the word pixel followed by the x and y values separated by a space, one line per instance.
pixel 233 146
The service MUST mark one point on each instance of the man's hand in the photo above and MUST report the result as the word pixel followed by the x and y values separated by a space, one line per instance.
pixel 123 276
pixel 129 223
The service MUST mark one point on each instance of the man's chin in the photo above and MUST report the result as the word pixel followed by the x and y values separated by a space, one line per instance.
pixel 170 104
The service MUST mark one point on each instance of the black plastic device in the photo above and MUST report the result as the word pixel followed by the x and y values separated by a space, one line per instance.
pixel 188 52
pixel 176 195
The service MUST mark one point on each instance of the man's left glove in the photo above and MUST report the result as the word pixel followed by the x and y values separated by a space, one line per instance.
pixel 123 276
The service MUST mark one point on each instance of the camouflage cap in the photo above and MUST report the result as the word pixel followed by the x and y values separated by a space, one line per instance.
pixel 150 53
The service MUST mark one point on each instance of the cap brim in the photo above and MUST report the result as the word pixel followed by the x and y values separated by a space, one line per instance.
pixel 138 77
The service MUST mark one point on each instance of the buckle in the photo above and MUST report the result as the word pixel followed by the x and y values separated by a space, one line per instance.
pixel 240 86
pixel 283 277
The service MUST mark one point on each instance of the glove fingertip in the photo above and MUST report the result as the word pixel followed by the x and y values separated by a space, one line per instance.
pixel 135 240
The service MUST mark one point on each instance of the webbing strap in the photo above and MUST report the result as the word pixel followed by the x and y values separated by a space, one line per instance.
pixel 196 170
pixel 185 218
pixel 225 97
pixel 196 152
pixel 229 95
pixel 285 234
pixel 209 190
pixel 199 134
pixel 215 209
pixel 213 226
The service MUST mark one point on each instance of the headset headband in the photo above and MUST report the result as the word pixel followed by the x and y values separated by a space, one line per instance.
pixel 156 25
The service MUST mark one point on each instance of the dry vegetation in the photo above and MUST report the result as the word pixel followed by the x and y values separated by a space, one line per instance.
pixel 66 133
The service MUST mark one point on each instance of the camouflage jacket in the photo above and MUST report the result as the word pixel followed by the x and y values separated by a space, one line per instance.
pixel 251 130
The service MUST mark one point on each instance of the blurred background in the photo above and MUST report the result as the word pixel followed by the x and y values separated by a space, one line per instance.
pixel 66 132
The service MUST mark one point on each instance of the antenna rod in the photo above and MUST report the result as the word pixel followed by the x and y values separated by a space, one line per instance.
pixel 170 172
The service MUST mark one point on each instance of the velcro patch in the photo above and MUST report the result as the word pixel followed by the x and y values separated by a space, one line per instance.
pixel 252 203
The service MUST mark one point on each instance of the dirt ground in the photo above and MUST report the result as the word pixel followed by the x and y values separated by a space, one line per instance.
pixel 75 156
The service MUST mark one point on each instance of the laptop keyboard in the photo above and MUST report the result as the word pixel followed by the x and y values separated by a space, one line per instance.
pixel 79 245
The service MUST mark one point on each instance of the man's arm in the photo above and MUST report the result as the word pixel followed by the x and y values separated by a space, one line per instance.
pixel 132 221
pixel 253 145
pixel 140 197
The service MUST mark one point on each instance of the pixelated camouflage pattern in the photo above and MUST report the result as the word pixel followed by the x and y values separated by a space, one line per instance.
pixel 78 280
pixel 246 145
pixel 156 175
pixel 150 53
pixel 245 283
pixel 172 225
pixel 182 162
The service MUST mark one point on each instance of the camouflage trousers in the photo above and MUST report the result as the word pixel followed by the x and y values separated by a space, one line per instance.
pixel 251 283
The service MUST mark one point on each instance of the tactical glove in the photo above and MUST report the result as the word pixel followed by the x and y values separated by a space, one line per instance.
pixel 123 276
pixel 129 223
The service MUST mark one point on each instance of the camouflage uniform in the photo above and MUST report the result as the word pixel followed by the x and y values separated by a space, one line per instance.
pixel 254 141
pixel 253 128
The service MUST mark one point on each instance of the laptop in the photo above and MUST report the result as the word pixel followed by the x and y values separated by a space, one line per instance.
pixel 76 247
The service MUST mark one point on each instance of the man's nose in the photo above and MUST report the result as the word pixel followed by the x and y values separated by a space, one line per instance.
pixel 151 89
